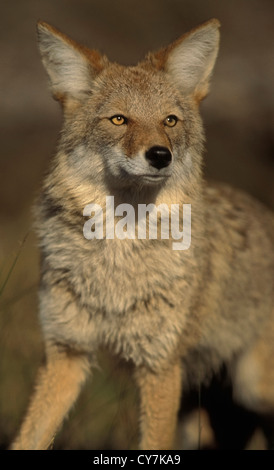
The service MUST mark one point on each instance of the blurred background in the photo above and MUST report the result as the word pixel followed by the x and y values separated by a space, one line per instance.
pixel 239 122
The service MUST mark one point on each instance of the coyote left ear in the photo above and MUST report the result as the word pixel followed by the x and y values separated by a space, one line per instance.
pixel 190 59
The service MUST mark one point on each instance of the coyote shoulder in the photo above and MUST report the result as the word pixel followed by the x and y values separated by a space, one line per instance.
pixel 135 134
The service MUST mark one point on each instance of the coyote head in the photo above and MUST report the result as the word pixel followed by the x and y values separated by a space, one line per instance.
pixel 136 126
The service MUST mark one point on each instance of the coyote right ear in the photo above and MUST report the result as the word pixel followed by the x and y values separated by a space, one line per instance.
pixel 70 67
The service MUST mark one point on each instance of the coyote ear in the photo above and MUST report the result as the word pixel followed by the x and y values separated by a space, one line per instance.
pixel 70 67
pixel 190 59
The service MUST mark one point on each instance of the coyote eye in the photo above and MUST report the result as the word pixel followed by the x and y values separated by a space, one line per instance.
pixel 171 121
pixel 118 120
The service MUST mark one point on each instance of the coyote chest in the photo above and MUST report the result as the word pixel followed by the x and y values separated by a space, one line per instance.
pixel 136 311
pixel 133 275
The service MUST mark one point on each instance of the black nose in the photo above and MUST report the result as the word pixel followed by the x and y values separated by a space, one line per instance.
pixel 159 157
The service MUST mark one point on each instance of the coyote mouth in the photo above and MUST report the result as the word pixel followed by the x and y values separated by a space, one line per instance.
pixel 154 178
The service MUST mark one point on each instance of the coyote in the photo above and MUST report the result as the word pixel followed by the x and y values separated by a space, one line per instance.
pixel 134 133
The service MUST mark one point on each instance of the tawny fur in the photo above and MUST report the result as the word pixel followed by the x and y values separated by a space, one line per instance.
pixel 176 316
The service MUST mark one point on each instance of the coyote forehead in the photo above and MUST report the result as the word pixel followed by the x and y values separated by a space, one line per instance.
pixel 139 91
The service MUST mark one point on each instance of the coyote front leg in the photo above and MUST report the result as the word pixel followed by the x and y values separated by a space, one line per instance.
pixel 160 394
pixel 58 385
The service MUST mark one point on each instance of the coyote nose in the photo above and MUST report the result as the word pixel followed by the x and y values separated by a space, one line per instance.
pixel 159 157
